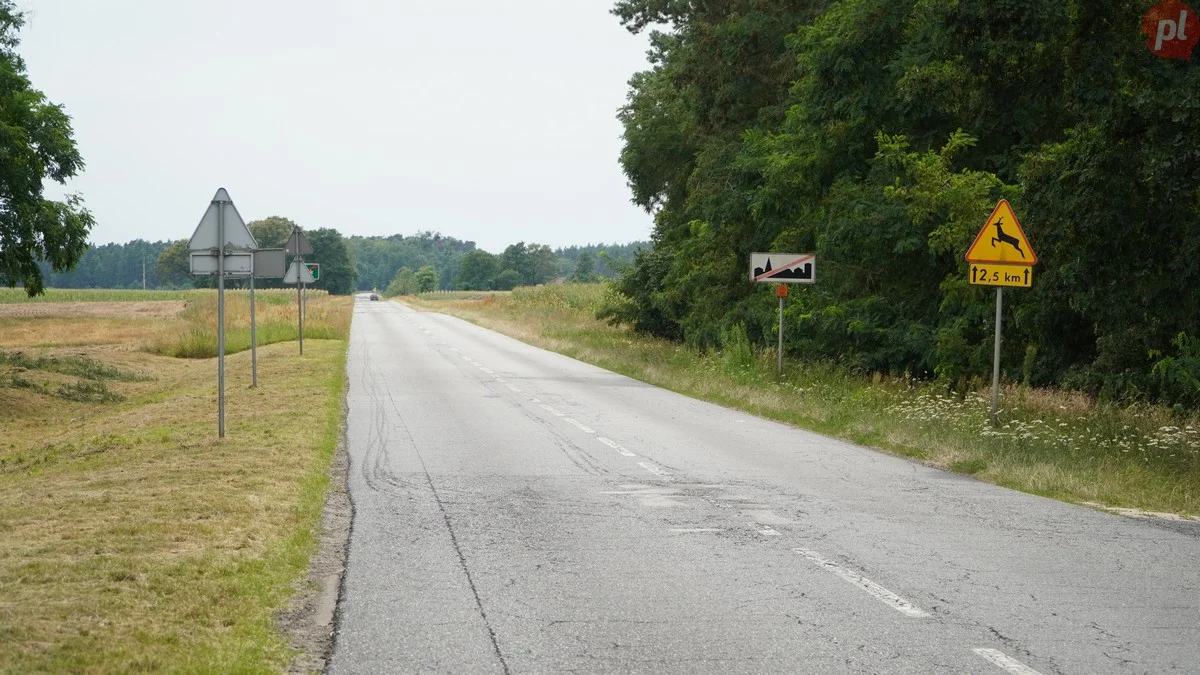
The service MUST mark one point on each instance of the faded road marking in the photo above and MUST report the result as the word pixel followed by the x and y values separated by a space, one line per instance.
pixel 878 592
pixel 655 469
pixel 615 446
pixel 1006 662
pixel 581 427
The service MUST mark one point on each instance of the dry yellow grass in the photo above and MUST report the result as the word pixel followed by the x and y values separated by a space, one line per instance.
pixel 131 537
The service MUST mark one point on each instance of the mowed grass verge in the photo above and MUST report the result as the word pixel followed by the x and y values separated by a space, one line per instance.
pixel 1057 444
pixel 131 537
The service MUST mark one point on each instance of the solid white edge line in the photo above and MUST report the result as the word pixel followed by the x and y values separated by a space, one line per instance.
pixel 878 592
pixel 1005 662
pixel 615 446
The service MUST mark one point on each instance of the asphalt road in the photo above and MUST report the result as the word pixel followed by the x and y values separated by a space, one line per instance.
pixel 518 511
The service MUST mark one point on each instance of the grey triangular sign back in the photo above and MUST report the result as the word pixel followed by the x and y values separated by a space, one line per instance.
pixel 298 244
pixel 237 235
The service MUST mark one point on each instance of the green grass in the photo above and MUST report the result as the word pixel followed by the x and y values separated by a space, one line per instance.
pixel 78 366
pixel 326 318
pixel 1053 443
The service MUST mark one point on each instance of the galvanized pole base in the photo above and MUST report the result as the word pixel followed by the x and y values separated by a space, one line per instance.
pixel 300 316
pixel 996 361
pixel 779 354
pixel 253 340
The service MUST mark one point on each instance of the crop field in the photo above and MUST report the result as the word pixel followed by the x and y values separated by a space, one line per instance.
pixel 1054 443
pixel 131 537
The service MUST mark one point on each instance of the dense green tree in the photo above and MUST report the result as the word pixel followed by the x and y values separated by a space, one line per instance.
pixel 36 144
pixel 338 275
pixel 405 283
pixel 535 263
pixel 515 257
pixel 272 231
pixel 173 267
pixel 427 279
pixel 585 268
pixel 477 272
pixel 506 280
pixel 878 134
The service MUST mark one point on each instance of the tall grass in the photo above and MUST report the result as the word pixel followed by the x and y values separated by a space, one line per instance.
pixel 1050 442
pixel 195 336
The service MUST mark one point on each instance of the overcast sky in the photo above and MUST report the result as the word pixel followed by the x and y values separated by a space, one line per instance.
pixel 486 120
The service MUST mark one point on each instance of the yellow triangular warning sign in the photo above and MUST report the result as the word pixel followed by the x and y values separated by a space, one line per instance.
pixel 1002 240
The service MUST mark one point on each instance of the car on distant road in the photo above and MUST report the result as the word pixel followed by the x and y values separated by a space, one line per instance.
pixel 374 296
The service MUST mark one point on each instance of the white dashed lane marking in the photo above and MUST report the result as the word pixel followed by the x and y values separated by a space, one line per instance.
pixel 878 592
pixel 655 469
pixel 581 427
pixel 615 446
pixel 1005 662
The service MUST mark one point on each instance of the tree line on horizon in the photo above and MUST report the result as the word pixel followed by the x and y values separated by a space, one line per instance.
pixel 879 134
pixel 352 263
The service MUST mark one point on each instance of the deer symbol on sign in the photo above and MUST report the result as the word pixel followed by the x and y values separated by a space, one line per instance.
pixel 1007 238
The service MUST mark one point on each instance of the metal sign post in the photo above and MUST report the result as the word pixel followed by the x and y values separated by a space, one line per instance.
pixel 221 322
pixel 300 313
pixel 782 269
pixel 299 273
pixel 1000 256
pixel 996 361
pixel 253 340
pixel 221 245
pixel 781 292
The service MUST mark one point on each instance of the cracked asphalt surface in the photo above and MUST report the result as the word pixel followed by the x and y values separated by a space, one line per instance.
pixel 519 511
